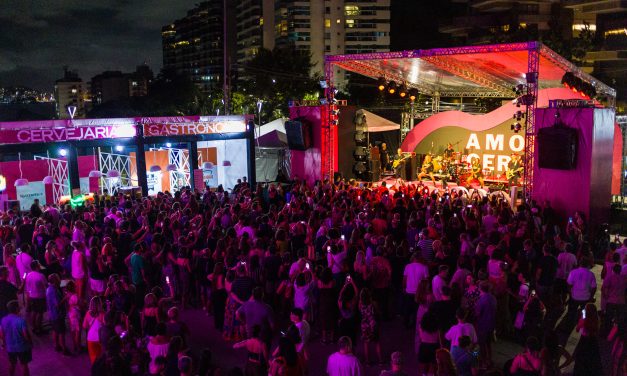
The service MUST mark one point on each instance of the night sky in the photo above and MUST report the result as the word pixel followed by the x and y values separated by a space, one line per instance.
pixel 39 37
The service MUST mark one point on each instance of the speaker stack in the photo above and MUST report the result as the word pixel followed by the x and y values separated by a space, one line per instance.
pixel 298 132
pixel 360 152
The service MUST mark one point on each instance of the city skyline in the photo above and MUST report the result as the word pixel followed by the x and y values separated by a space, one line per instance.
pixel 36 40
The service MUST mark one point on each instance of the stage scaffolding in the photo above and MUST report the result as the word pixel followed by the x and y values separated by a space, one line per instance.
pixel 485 71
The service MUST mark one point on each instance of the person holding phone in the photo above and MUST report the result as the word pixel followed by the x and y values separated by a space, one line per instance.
pixel 347 304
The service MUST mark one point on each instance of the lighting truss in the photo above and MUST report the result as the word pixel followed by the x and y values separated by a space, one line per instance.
pixel 533 65
pixel 58 169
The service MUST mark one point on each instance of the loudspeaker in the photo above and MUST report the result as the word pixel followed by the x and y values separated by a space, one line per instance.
pixel 557 148
pixel 360 153
pixel 298 133
pixel 375 169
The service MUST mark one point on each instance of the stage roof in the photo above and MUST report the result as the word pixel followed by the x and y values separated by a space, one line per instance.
pixel 472 71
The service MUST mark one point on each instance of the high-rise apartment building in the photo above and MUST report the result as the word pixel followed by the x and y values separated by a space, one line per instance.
pixel 333 27
pixel 69 91
pixel 608 20
pixel 193 45
pixel 485 19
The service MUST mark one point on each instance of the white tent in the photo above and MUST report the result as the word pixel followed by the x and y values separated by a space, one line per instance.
pixel 271 151
pixel 377 123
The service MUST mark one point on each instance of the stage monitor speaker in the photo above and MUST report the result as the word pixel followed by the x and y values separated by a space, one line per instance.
pixel 298 133
pixel 557 148
pixel 360 153
pixel 375 170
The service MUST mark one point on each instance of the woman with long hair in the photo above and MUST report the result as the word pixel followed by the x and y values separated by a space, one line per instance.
pixel 92 322
pixel 369 325
pixel 218 294
pixel 445 364
pixel 429 343
pixel 587 353
pixel 528 363
pixel 257 360
pixel 424 298
pixel 327 308
pixel 551 355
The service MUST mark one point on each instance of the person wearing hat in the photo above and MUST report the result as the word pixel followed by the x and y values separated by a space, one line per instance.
pixel 396 361
pixel 514 169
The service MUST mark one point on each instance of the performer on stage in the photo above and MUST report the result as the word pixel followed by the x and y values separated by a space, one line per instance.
pixel 427 169
pixel 514 169
pixel 476 172
pixel 399 164
pixel 449 152
pixel 385 158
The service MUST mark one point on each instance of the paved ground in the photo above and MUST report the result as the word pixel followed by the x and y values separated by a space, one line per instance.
pixel 394 338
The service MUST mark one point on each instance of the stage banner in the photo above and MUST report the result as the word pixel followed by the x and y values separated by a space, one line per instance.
pixel 27 194
pixel 154 182
pixel 210 177
pixel 205 125
pixel 493 146
pixel 16 136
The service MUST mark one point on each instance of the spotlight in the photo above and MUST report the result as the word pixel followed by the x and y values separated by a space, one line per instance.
pixel 168 145
pixel 119 148
pixel 63 152
pixel 516 127
pixel 402 91
pixel 323 84
pixel 392 87
pixel 413 94
pixel 381 83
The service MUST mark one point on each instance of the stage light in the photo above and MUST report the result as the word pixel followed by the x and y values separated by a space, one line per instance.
pixel 402 91
pixel 516 127
pixel 413 94
pixel 323 84
pixel 63 152
pixel 119 148
pixel 381 83
pixel 392 87
pixel 168 145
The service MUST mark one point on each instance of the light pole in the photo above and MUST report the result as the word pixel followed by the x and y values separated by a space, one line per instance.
pixel 225 62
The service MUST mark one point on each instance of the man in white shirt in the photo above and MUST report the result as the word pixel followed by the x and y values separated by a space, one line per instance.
pixel 583 285
pixel 304 330
pixel 566 262
pixel 414 272
pixel 462 328
pixel 344 362
pixel 35 285
pixel 23 261
pixel 439 281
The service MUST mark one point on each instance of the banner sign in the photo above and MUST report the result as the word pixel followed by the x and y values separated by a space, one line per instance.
pixel 27 194
pixel 16 136
pixel 154 182
pixel 493 147
pixel 213 126
pixel 210 177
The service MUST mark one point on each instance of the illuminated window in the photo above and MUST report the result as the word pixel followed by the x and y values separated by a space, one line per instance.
pixel 580 27
pixel 616 32
pixel 350 23
pixel 338 21
pixel 505 28
pixel 73 91
pixel 327 22
pixel 351 10
pixel 261 21
pixel 522 25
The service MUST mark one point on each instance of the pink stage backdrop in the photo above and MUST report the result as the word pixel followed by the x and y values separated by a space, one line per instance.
pixel 306 164
pixel 587 188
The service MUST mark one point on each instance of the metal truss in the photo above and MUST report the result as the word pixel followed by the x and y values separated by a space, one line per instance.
pixel 180 158
pixel 118 162
pixel 533 65
pixel 58 169
pixel 327 155
pixel 480 78
pixel 567 66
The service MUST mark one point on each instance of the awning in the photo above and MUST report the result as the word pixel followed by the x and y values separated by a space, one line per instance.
pixel 377 123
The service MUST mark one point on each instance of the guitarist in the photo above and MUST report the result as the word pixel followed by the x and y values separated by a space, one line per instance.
pixel 476 172
pixel 514 169
pixel 399 164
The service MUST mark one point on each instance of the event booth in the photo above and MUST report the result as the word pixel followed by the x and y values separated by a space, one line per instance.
pixel 272 151
pixel 57 159
pixel 528 78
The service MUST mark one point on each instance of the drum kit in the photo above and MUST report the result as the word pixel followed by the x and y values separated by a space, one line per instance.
pixel 454 168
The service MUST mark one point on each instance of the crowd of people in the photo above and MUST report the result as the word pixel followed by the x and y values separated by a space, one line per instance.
pixel 280 266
